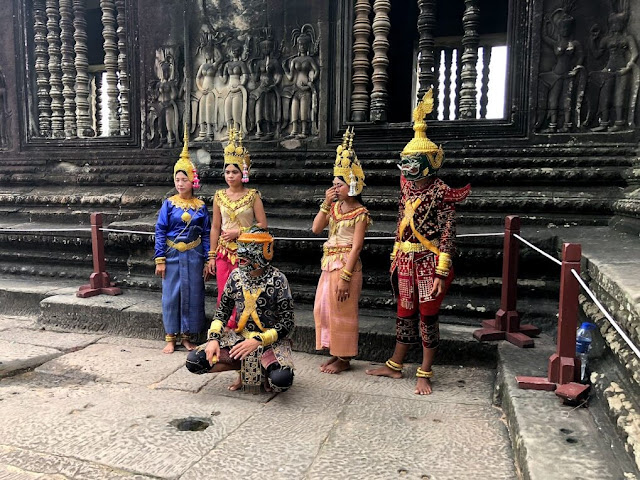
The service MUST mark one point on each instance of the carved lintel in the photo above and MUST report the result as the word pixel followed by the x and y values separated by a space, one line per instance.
pixel 41 67
pixel 82 75
pixel 361 48
pixel 470 42
pixel 55 68
pixel 381 26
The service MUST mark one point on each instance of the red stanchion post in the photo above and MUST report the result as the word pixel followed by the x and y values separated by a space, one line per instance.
pixel 506 325
pixel 99 281
pixel 564 368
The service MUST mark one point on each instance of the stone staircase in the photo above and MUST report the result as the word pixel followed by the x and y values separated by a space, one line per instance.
pixel 550 188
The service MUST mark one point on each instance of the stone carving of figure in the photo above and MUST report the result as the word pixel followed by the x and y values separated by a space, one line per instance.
pixel 5 114
pixel 164 115
pixel 302 71
pixel 617 83
pixel 236 75
pixel 266 73
pixel 207 85
pixel 561 88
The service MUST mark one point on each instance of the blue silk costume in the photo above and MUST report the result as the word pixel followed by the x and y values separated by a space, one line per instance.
pixel 182 237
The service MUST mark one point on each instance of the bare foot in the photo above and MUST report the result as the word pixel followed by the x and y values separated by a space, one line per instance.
pixel 337 366
pixel 423 387
pixel 170 347
pixel 237 385
pixel 383 371
pixel 188 345
pixel 328 362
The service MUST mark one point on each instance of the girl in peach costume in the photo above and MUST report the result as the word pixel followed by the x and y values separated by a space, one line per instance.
pixel 336 304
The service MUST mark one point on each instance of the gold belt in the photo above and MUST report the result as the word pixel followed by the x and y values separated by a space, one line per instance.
pixel 337 249
pixel 410 247
pixel 183 247
pixel 228 245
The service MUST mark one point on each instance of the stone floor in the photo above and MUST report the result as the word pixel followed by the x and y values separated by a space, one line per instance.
pixel 96 406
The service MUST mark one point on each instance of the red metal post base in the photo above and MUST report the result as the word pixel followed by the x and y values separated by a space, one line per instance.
pixel 564 367
pixel 506 325
pixel 99 281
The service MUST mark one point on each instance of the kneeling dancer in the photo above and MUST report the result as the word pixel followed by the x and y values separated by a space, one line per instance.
pixel 259 347
pixel 421 265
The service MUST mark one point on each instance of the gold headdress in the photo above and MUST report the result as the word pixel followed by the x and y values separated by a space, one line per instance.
pixel 236 154
pixel 420 145
pixel 185 164
pixel 347 164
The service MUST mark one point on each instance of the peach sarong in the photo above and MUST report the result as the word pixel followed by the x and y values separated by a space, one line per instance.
pixel 337 322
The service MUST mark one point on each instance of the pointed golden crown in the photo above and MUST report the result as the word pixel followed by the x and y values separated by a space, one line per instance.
pixel 347 164
pixel 420 144
pixel 184 163
pixel 235 153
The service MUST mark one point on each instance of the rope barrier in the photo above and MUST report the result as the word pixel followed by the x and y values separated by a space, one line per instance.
pixel 127 231
pixel 40 230
pixel 138 232
pixel 606 314
pixel 531 245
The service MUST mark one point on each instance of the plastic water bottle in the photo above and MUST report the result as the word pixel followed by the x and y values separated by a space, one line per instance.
pixel 583 345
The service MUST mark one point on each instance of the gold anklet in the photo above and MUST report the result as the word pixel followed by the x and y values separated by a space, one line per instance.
pixel 170 338
pixel 396 367
pixel 422 374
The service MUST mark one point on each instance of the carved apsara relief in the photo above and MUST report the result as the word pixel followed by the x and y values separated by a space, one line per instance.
pixel 593 85
pixel 250 81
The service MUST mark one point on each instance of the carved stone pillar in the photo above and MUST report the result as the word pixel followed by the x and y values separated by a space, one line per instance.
pixel 426 63
pixel 470 40
pixel 448 61
pixel 99 112
pixel 381 26
pixel 82 75
pixel 111 64
pixel 484 88
pixel 55 69
pixel 360 78
pixel 123 69
pixel 41 67
pixel 68 68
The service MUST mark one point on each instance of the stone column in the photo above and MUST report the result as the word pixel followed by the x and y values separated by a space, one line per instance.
pixel 426 62
pixel 470 40
pixel 381 26
pixel 484 88
pixel 448 61
pixel 123 68
pixel 360 78
pixel 99 113
pixel 111 64
pixel 68 68
pixel 55 69
pixel 82 75
pixel 41 67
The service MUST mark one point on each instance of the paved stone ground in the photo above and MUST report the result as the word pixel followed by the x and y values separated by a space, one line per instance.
pixel 105 407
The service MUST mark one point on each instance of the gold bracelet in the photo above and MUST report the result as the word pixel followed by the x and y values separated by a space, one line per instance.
pixel 345 277
pixel 347 272
pixel 160 260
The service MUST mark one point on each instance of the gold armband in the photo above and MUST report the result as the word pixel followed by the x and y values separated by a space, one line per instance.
pixel 268 337
pixel 160 260
pixel 215 329
pixel 444 264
